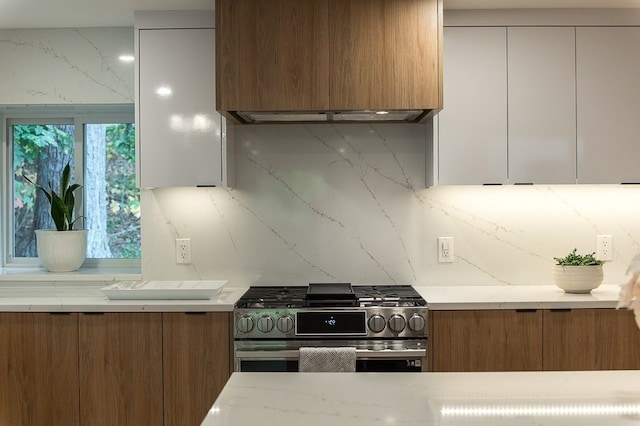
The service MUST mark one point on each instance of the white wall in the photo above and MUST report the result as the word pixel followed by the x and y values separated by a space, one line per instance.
pixel 347 203
pixel 328 203
pixel 64 66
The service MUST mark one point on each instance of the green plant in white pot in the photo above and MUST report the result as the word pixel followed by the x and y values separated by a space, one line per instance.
pixel 576 273
pixel 63 249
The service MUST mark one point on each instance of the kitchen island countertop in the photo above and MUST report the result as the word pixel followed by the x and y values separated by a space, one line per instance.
pixel 447 399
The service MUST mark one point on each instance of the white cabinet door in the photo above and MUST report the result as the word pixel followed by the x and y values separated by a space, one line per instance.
pixel 179 128
pixel 608 107
pixel 542 117
pixel 472 127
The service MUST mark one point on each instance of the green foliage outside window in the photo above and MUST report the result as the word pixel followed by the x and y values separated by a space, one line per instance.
pixel 41 150
pixel 123 198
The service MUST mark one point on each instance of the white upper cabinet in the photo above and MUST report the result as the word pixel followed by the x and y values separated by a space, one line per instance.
pixel 608 104
pixel 181 135
pixel 472 127
pixel 541 99
pixel 509 106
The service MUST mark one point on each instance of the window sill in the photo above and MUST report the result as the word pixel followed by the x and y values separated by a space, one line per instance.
pixel 82 275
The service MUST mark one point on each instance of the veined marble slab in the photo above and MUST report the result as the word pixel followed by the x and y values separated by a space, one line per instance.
pixel 516 297
pixel 87 297
pixel 163 290
pixel 592 398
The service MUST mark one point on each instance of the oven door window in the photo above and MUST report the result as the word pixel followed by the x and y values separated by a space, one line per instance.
pixel 269 365
pixel 362 366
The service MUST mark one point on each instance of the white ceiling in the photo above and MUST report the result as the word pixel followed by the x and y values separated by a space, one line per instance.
pixel 104 13
pixel 85 13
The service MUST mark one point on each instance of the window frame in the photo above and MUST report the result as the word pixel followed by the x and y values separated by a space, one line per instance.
pixel 79 116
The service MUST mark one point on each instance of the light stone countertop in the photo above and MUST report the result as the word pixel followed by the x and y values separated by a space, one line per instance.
pixel 78 296
pixel 586 398
pixel 516 297
pixel 87 297
pixel 15 275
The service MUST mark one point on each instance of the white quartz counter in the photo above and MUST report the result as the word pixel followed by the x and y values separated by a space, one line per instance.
pixel 76 296
pixel 447 399
pixel 516 297
pixel 87 297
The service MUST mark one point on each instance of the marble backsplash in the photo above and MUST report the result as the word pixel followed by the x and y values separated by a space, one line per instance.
pixel 348 203
pixel 66 66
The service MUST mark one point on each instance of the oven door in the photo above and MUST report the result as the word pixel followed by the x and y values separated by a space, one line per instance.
pixel 371 356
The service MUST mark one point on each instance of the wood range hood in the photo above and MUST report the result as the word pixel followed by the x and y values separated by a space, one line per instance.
pixel 330 116
pixel 328 61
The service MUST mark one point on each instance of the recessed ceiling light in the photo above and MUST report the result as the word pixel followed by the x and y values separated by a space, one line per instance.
pixel 126 58
pixel 164 91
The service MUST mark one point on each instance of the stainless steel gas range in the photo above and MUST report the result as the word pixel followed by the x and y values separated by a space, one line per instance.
pixel 386 324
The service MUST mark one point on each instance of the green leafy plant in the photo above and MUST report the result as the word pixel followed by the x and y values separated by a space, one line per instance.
pixel 574 259
pixel 62 202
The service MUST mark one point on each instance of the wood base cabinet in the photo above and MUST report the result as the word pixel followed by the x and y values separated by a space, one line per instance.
pixel 38 369
pixel 121 369
pixel 156 369
pixel 486 340
pixel 591 339
pixel 530 340
pixel 195 364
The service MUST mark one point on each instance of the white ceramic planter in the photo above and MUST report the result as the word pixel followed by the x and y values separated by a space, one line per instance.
pixel 577 279
pixel 61 251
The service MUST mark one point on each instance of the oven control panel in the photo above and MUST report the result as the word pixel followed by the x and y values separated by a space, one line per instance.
pixel 378 322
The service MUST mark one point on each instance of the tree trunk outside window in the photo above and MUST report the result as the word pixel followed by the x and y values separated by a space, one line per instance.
pixel 95 200
pixel 51 161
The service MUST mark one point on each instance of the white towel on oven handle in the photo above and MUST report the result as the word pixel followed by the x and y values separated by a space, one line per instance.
pixel 327 359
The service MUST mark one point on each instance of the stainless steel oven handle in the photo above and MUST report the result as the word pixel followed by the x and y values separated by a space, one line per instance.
pixel 360 353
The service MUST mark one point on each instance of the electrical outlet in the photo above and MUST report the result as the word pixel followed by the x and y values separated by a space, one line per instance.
pixel 183 250
pixel 604 247
pixel 445 249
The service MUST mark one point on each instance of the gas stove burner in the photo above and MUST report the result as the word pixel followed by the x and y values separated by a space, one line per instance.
pixel 331 311
pixel 330 295
pixel 389 295
pixel 273 297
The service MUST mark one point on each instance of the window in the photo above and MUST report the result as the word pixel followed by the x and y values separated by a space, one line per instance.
pixel 100 147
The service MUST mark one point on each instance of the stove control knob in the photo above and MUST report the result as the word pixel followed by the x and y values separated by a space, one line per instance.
pixel 265 323
pixel 376 323
pixel 396 323
pixel 244 324
pixel 416 323
pixel 285 323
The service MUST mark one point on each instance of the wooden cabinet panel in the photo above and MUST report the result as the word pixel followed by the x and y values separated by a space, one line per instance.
pixel 328 55
pixel 272 55
pixel 608 66
pixel 486 340
pixel 385 54
pixel 39 369
pixel 196 364
pixel 120 369
pixel 474 121
pixel 590 339
pixel 541 105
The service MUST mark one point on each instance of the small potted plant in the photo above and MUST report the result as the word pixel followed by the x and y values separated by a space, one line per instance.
pixel 577 273
pixel 63 249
